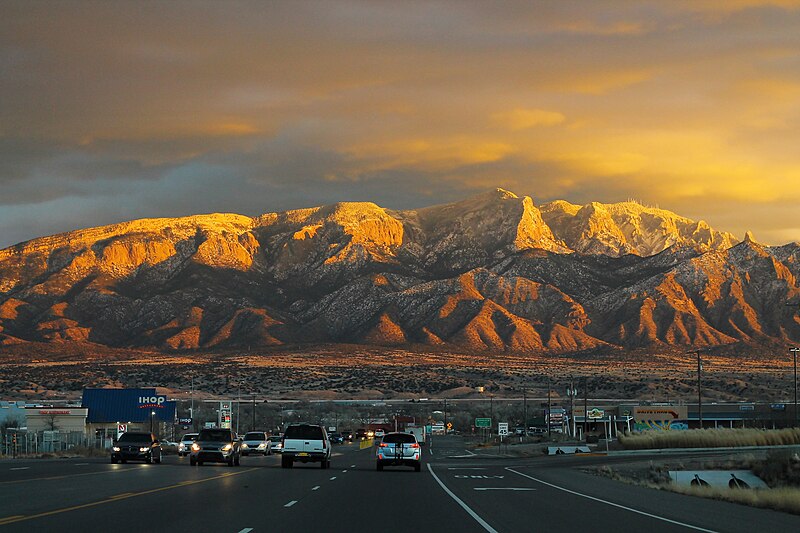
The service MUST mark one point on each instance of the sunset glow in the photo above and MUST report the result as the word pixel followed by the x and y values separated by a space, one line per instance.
pixel 114 111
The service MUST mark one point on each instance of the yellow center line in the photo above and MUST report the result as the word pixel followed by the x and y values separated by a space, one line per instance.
pixel 118 497
pixel 116 471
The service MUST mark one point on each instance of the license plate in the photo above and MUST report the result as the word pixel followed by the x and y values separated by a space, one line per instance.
pixel 302 454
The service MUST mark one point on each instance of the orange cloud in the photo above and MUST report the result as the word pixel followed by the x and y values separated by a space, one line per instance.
pixel 523 119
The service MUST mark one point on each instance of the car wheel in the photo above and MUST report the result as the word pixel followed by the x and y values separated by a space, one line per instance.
pixel 236 460
pixel 123 461
pixel 230 461
pixel 192 461
pixel 286 462
pixel 158 459
pixel 379 466
pixel 417 467
pixel 114 460
pixel 199 463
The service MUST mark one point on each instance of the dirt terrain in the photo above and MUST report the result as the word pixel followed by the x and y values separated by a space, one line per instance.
pixel 351 371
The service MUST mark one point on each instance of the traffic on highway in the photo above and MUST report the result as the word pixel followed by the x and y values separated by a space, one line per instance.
pixel 439 485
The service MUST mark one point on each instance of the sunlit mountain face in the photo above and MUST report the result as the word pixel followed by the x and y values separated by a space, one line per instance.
pixel 492 273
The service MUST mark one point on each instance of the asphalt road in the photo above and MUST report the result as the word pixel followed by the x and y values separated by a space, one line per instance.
pixel 454 492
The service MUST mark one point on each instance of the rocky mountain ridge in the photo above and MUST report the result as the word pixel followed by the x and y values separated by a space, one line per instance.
pixel 490 273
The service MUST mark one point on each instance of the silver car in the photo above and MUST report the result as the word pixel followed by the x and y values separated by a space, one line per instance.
pixel 398 449
pixel 185 445
pixel 256 442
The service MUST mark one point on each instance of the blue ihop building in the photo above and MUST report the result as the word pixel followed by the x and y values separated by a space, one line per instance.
pixel 114 411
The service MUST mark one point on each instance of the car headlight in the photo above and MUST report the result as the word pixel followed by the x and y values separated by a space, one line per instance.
pixel 262 445
pixel 244 445
pixel 195 446
pixel 144 449
pixel 226 448
pixel 115 448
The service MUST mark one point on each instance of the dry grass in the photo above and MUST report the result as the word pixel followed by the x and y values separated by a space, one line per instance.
pixel 786 499
pixel 710 438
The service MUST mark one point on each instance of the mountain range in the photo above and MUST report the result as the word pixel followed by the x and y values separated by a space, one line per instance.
pixel 492 273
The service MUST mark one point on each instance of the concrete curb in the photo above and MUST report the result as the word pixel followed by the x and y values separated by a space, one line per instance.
pixel 658 451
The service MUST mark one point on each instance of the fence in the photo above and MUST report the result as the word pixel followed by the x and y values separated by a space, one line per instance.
pixel 21 442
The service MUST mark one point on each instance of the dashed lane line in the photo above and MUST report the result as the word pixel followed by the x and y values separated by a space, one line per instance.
pixel 20 468
pixel 290 503
pixel 246 530
pixel 116 498
pixel 612 504
pixel 334 477
pixel 315 488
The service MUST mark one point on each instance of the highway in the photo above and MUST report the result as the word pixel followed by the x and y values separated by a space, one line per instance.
pixel 455 491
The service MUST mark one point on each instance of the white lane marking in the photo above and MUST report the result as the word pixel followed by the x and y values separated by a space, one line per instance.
pixel 20 468
pixel 465 468
pixel 684 524
pixel 501 488
pixel 344 471
pixel 290 503
pixel 246 530
pixel 315 488
pixel 469 452
pixel 334 477
pixel 81 464
pixel 463 505
pixel 352 466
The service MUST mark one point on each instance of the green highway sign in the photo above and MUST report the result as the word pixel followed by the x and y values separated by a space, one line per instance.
pixel 483 422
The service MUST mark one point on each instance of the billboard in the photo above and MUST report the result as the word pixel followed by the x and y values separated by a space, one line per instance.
pixel 660 417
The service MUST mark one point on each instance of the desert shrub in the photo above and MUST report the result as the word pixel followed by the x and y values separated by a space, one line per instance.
pixel 710 438
pixel 784 499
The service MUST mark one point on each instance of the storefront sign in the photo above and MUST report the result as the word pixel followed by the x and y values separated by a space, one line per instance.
pixel 148 402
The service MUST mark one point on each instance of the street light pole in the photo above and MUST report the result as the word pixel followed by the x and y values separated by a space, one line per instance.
pixel 794 353
pixel 549 409
pixel 699 390
pixel 585 406
pixel 152 414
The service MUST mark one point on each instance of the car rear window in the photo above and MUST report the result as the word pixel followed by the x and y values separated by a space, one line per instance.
pixel 189 436
pixel 304 431
pixel 396 438
pixel 275 438
pixel 135 437
pixel 254 436
pixel 214 435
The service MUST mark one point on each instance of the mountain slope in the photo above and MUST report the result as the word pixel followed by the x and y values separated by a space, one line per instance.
pixel 489 273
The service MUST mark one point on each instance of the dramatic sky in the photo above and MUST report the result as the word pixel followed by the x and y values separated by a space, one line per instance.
pixel 114 111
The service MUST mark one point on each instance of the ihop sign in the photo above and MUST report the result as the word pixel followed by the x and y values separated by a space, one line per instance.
pixel 149 402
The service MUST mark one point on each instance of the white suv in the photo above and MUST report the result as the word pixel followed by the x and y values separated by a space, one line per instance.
pixel 398 449
pixel 306 443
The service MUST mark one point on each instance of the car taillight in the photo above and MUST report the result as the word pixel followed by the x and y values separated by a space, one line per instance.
pixel 384 445
pixel 415 445
pixel 324 444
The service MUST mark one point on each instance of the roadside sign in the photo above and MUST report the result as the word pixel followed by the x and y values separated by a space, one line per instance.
pixel 184 428
pixel 121 428
pixel 596 414
pixel 185 421
pixel 483 422
pixel 449 425
pixel 502 429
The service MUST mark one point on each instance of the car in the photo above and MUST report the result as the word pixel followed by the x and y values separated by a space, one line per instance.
pixel 336 438
pixel 215 446
pixel 361 434
pixel 379 433
pixel 136 446
pixel 347 434
pixel 277 443
pixel 307 443
pixel 256 442
pixel 185 444
pixel 398 449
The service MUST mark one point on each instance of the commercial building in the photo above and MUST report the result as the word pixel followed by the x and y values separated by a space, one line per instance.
pixel 114 411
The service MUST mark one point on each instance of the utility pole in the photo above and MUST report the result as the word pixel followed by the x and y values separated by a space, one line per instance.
pixel 524 412
pixel 699 386
pixel 585 405
pixel 445 417
pixel 794 353
pixel 253 425
pixel 571 393
pixel 699 390
pixel 549 409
